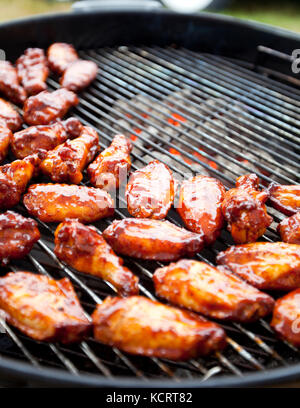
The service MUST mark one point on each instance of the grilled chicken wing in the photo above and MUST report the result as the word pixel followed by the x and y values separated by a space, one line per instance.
pixel 46 107
pixel 265 265
pixel 66 162
pixel 17 236
pixel 9 83
pixel 10 116
pixel 43 308
pixel 145 327
pixel 211 291
pixel 289 229
pixel 150 191
pixel 245 211
pixel 60 56
pixel 111 166
pixel 79 75
pixel 152 239
pixel 44 137
pixel 285 198
pixel 33 70
pixel 5 138
pixel 200 207
pixel 14 178
pixel 85 249
pixel 56 202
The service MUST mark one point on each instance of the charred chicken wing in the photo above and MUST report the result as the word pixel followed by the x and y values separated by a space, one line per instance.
pixel 79 75
pixel 289 229
pixel 150 191
pixel 33 70
pixel 145 327
pixel 152 239
pixel 56 202
pixel 285 198
pixel 9 83
pixel 46 107
pixel 17 236
pixel 213 292
pixel 10 116
pixel 245 211
pixel 265 265
pixel 60 56
pixel 200 207
pixel 111 166
pixel 85 249
pixel 65 163
pixel 5 138
pixel 43 308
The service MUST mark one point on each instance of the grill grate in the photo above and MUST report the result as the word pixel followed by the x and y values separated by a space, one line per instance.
pixel 197 113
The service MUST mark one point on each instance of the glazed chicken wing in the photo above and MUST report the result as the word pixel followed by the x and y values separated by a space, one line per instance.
pixel 152 239
pixel 200 207
pixel 274 266
pixel 66 162
pixel 245 211
pixel 9 83
pixel 5 139
pixel 83 248
pixel 145 327
pixel 285 198
pixel 46 107
pixel 56 202
pixel 289 229
pixel 60 56
pixel 44 137
pixel 79 75
pixel 33 70
pixel 43 308
pixel 214 292
pixel 150 191
pixel 10 116
pixel 111 166
pixel 17 236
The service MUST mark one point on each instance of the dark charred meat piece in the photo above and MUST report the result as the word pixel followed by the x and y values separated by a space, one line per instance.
pixel 5 139
pixel 150 191
pixel 33 70
pixel 66 162
pixel 285 198
pixel 200 206
pixel 60 56
pixel 46 107
pixel 213 292
pixel 152 239
pixel 17 236
pixel 44 137
pixel 83 248
pixel 245 211
pixel 79 75
pixel 56 202
pixel 43 308
pixel 267 266
pixel 145 327
pixel 10 116
pixel 289 229
pixel 9 83
pixel 112 165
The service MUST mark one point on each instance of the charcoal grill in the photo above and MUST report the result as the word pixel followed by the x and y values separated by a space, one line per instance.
pixel 203 94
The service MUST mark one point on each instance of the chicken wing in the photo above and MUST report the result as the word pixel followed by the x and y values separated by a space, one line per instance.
pixel 56 202
pixel 150 191
pixel 66 162
pixel 289 229
pixel 83 248
pixel 60 56
pixel 44 137
pixel 265 265
pixel 43 308
pixel 285 198
pixel 152 239
pixel 17 236
pixel 33 70
pixel 214 292
pixel 145 327
pixel 245 211
pixel 9 83
pixel 111 166
pixel 79 75
pixel 10 116
pixel 46 107
pixel 5 139
pixel 200 207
